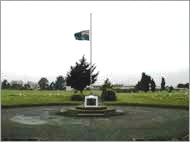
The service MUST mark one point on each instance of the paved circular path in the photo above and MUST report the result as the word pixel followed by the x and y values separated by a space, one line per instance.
pixel 147 123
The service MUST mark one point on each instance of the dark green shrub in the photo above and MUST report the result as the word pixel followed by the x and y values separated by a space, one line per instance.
pixel 108 95
pixel 170 89
pixel 77 98
pixel 121 90
pixel 125 90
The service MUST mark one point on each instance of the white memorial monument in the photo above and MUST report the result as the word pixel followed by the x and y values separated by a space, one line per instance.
pixel 91 101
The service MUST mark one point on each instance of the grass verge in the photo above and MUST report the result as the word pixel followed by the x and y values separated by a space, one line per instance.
pixel 13 98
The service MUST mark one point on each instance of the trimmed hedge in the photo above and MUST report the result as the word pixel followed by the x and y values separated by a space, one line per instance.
pixel 117 90
pixel 108 95
pixel 77 98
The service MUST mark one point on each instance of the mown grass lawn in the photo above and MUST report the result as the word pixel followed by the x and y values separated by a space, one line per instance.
pixel 175 98
pixel 29 97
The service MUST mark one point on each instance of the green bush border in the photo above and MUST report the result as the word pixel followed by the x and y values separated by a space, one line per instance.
pixel 105 103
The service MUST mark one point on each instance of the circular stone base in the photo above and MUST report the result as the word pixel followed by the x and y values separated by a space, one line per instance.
pixel 82 111
pixel 91 108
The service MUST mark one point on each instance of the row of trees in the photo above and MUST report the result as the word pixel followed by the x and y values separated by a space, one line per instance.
pixel 43 84
pixel 59 84
pixel 79 77
pixel 17 85
pixel 181 85
pixel 147 83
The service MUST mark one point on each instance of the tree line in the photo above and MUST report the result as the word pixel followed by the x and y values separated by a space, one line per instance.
pixel 147 83
pixel 42 84
pixel 79 77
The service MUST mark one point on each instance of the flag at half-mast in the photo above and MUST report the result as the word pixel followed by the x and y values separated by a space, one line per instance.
pixel 83 35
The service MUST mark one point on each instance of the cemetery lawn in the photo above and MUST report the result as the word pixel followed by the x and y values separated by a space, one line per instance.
pixel 37 97
pixel 159 98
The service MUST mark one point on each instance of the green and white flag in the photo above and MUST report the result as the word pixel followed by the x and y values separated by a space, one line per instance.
pixel 83 35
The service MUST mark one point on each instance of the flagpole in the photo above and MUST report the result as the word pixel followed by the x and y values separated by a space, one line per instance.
pixel 90 48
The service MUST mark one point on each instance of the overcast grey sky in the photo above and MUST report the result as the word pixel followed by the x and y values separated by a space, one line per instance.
pixel 128 38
